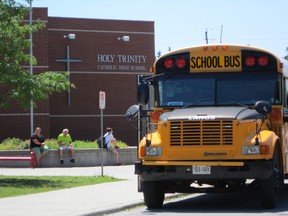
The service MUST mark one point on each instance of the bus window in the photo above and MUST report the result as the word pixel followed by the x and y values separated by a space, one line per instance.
pixel 182 90
pixel 232 88
pixel 247 88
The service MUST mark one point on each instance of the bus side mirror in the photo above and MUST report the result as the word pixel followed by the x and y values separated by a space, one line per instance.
pixel 263 107
pixel 132 111
pixel 143 94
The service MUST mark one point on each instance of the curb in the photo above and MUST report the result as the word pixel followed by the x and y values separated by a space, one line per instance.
pixel 129 206
pixel 114 210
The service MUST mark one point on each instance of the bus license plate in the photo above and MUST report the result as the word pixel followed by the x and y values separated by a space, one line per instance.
pixel 201 170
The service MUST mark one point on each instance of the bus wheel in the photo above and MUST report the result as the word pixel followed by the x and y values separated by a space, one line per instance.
pixel 153 194
pixel 269 188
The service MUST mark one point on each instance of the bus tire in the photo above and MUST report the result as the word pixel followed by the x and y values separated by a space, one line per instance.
pixel 153 194
pixel 269 188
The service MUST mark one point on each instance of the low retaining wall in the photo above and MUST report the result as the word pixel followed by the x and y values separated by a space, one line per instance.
pixel 83 158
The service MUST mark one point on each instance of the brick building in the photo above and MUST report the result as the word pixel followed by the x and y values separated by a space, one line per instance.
pixel 106 55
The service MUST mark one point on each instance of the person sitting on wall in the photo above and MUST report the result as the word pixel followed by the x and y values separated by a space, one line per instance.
pixel 37 145
pixel 65 142
pixel 111 144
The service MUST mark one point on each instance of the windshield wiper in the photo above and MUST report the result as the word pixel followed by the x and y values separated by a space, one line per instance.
pixel 234 103
pixel 150 78
pixel 197 101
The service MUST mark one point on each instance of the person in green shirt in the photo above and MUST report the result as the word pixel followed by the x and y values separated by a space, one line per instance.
pixel 65 142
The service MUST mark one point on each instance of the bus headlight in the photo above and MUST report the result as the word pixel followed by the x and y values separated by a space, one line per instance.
pixel 153 151
pixel 251 150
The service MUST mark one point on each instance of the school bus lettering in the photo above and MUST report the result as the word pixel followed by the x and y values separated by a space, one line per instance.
pixel 204 62
pixel 232 61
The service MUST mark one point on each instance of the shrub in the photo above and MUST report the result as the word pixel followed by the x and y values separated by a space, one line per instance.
pixel 121 144
pixel 14 144
pixel 12 141
pixel 84 144
pixel 17 144
pixel 51 143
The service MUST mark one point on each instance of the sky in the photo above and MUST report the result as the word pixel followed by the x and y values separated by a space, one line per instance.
pixel 182 23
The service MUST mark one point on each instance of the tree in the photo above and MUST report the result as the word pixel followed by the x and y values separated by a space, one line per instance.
pixel 16 82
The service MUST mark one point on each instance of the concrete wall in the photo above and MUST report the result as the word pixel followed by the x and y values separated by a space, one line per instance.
pixel 83 158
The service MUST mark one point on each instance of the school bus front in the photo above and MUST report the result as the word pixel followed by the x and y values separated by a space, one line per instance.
pixel 218 117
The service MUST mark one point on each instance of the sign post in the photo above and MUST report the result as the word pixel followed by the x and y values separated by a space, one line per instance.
pixel 102 103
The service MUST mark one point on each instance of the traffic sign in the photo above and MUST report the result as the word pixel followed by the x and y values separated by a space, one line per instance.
pixel 102 100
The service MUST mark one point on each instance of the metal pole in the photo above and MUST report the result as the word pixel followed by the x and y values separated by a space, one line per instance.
pixel 102 142
pixel 31 71
pixel 206 36
pixel 68 69
pixel 221 34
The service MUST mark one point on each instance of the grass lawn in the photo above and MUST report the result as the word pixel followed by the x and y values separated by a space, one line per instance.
pixel 22 185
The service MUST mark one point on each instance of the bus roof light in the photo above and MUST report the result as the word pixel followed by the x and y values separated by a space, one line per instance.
pixel 263 60
pixel 250 61
pixel 180 62
pixel 168 63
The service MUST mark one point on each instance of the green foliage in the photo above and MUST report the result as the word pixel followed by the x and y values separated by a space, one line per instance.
pixel 17 144
pixel 22 185
pixel 16 82
pixel 121 144
pixel 51 143
pixel 84 144
pixel 14 144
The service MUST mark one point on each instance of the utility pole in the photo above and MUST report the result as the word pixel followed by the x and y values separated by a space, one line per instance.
pixel 221 34
pixel 206 36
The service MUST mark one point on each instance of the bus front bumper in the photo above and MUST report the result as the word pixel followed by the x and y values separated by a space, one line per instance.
pixel 184 170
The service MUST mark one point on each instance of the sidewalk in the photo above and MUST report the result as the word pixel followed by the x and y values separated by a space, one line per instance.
pixel 97 199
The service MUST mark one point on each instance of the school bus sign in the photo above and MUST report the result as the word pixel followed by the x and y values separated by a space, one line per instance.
pixel 210 61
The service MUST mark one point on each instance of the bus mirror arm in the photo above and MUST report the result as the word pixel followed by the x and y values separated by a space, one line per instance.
pixel 148 142
pixel 132 112
pixel 258 129
pixel 149 79
pixel 133 125
pixel 263 108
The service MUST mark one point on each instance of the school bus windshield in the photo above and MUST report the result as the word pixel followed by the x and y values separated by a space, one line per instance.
pixel 218 89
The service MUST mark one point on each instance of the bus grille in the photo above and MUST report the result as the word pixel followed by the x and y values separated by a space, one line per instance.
pixel 190 133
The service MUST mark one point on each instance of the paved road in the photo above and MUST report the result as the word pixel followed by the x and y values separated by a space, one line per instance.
pixel 242 204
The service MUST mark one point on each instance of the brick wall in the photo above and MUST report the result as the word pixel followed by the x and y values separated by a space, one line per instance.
pixel 107 64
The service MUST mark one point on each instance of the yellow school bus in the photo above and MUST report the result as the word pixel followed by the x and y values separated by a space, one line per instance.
pixel 217 122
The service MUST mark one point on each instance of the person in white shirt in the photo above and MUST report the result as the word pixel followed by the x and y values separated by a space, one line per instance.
pixel 111 144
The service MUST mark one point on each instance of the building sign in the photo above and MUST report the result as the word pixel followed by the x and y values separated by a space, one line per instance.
pixel 112 62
